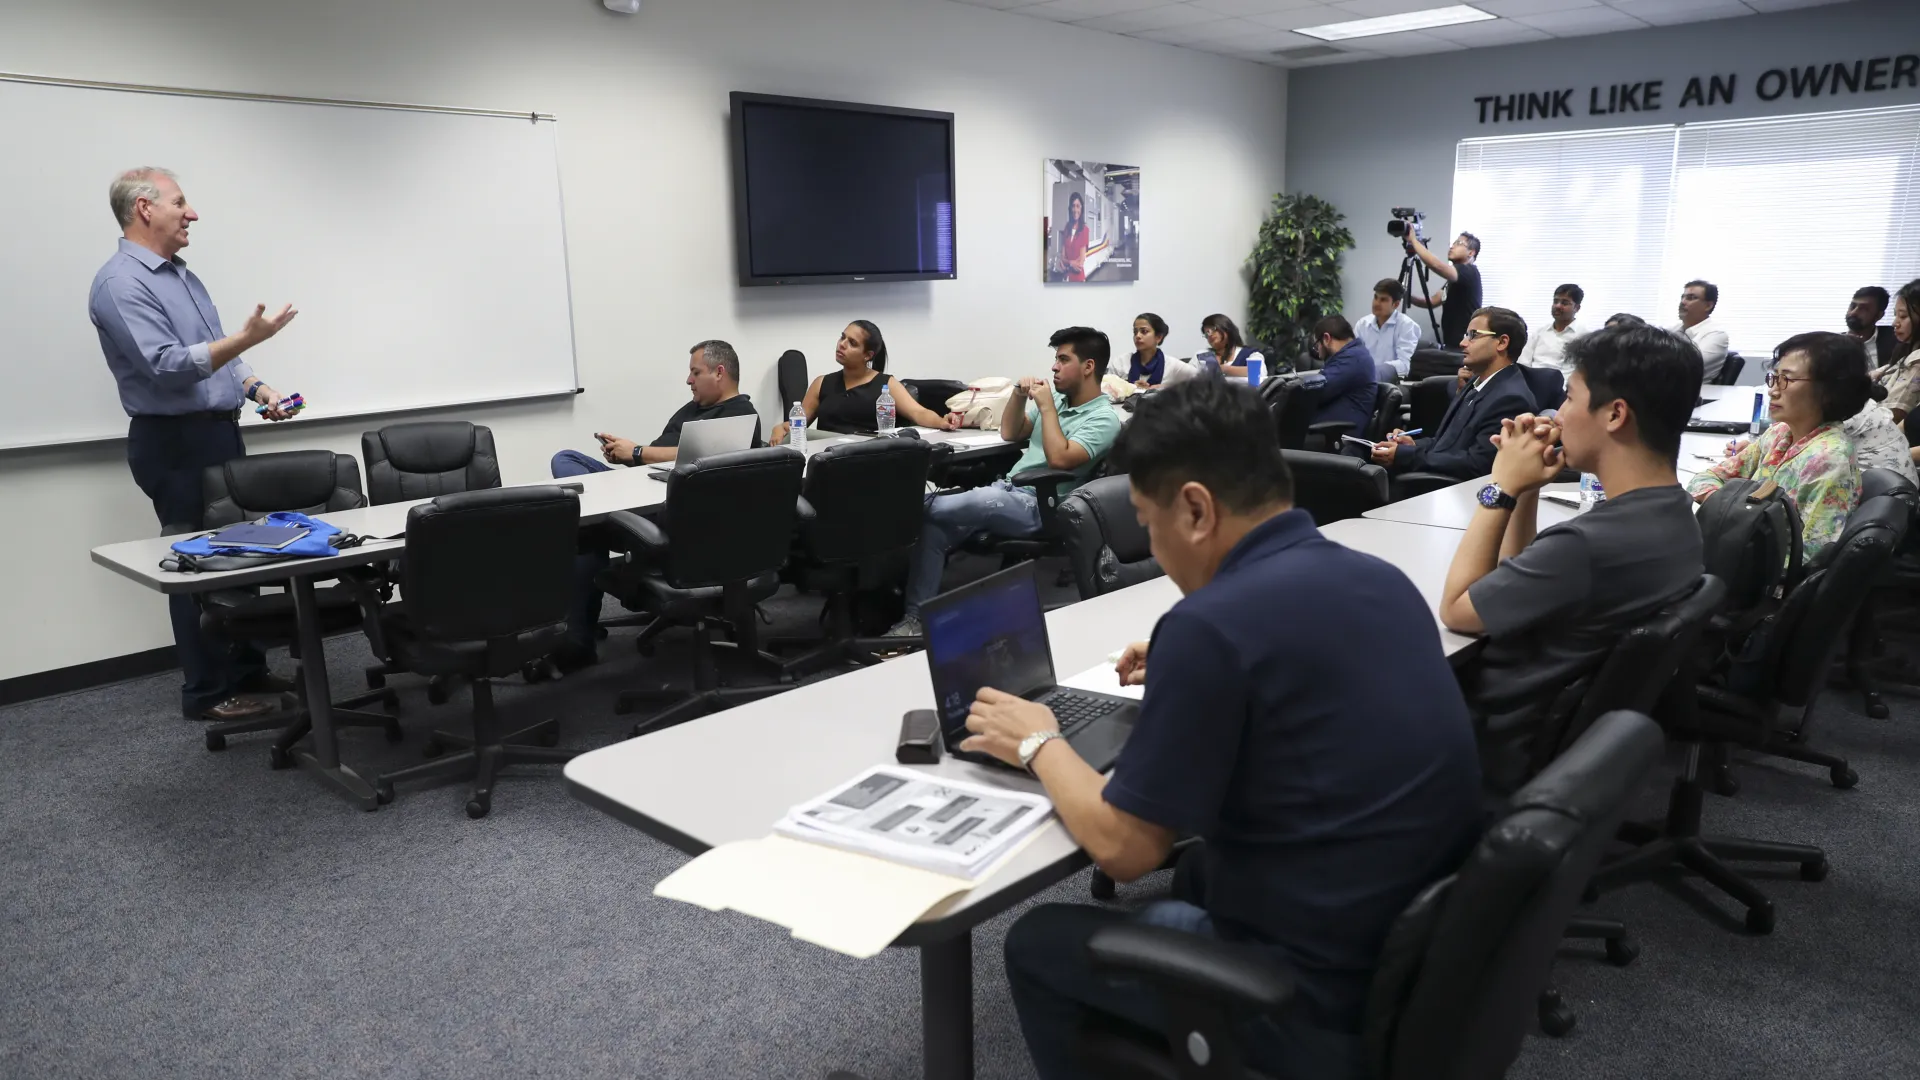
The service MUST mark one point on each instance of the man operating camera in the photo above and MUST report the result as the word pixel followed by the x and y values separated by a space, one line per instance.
pixel 1459 298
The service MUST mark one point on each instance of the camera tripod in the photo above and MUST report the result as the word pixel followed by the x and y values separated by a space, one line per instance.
pixel 1410 265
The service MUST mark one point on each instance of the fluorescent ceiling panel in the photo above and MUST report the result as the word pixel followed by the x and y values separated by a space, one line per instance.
pixel 1394 24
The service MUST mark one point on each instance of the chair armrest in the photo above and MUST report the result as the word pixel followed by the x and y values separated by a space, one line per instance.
pixel 1331 430
pixel 1182 964
pixel 645 536
pixel 1045 483
pixel 805 511
pixel 1410 484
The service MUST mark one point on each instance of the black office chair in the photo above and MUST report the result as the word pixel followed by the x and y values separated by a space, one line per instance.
pixel 307 482
pixel 868 499
pixel 1107 546
pixel 729 526
pixel 485 584
pixel 933 394
pixel 1427 402
pixel 1730 369
pixel 1887 611
pixel 791 373
pixel 1429 362
pixel 1461 969
pixel 420 461
pixel 1051 540
pixel 1294 402
pixel 1549 386
pixel 1389 401
pixel 1333 487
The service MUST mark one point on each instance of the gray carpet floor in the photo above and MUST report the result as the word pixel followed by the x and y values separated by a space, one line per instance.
pixel 170 912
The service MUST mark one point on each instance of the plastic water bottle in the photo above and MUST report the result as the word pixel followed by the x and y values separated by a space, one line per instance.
pixel 1759 425
pixel 883 411
pixel 1591 493
pixel 1253 371
pixel 797 427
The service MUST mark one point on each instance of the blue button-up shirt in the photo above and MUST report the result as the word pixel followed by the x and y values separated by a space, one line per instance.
pixel 157 325
pixel 1392 344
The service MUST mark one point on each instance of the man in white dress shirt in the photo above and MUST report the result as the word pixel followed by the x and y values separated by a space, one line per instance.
pixel 1549 347
pixel 1390 337
pixel 1697 301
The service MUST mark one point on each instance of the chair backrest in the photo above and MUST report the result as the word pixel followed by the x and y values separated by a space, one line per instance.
pixel 1293 402
pixel 1333 487
pixel 933 394
pixel 1877 482
pixel 1461 970
pixel 791 373
pixel 731 517
pixel 1730 369
pixel 1810 626
pixel 420 461
pixel 304 481
pixel 868 499
pixel 1430 362
pixel 1549 386
pixel 492 565
pixel 1427 402
pixel 1642 664
pixel 1106 544
pixel 1388 400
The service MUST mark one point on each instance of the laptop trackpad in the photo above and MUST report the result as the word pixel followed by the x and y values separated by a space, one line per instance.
pixel 1099 743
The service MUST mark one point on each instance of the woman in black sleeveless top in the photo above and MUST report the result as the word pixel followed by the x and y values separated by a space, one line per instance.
pixel 845 400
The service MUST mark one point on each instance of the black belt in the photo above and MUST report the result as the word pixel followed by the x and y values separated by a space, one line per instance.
pixel 228 415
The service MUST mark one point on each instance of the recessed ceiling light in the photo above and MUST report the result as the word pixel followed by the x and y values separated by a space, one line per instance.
pixel 1394 24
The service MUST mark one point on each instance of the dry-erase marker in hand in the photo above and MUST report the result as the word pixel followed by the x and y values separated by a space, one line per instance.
pixel 1410 434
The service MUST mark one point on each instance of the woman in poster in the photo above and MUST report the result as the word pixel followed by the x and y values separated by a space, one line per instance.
pixel 1073 238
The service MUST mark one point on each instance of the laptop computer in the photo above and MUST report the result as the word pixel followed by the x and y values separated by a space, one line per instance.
pixel 994 633
pixel 703 438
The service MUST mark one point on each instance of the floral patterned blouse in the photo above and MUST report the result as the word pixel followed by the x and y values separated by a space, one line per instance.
pixel 1817 473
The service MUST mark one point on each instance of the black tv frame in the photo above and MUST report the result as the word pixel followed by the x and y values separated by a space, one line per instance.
pixel 742 238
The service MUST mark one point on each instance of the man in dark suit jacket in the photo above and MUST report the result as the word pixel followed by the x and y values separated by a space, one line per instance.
pixel 1463 446
pixel 1869 306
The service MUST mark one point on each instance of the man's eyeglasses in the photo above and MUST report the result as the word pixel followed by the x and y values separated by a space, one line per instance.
pixel 1481 333
pixel 1775 378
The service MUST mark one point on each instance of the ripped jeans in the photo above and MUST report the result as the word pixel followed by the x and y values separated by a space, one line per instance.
pixel 999 508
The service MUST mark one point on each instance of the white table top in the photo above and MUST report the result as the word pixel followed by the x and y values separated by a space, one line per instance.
pixel 1421 552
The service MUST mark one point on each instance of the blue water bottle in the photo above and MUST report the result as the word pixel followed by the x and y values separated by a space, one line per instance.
pixel 1759 425
pixel 1254 365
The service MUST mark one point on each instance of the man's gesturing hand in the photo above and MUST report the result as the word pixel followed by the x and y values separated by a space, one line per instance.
pixel 259 328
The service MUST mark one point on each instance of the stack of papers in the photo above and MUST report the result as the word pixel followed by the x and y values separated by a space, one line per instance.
pixel 946 826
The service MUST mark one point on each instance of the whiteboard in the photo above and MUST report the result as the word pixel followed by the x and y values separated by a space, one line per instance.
pixel 424 248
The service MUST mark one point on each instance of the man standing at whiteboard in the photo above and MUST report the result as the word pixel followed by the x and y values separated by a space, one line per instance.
pixel 183 384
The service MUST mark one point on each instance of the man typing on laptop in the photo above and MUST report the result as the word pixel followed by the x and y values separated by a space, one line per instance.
pixel 713 374
pixel 1326 790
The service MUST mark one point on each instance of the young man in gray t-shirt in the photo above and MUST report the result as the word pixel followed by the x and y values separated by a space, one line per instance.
pixel 1553 605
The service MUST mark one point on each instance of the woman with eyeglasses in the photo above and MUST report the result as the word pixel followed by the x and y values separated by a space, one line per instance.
pixel 1818 381
pixel 1229 348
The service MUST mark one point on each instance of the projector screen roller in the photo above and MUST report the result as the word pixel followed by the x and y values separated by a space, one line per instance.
pixel 828 191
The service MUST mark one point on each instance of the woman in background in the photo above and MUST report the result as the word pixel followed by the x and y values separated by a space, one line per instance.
pixel 1223 337
pixel 844 401
pixel 1149 364
pixel 1899 373
pixel 1074 238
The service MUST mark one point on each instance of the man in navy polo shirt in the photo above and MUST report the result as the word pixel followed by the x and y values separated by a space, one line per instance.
pixel 1327 790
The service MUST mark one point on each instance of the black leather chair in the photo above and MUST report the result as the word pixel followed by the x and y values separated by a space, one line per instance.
pixel 1294 403
pixel 1888 610
pixel 1389 401
pixel 307 482
pixel 1730 369
pixel 933 394
pixel 1107 547
pixel 1051 540
pixel 1429 362
pixel 1549 386
pixel 700 568
pixel 1427 402
pixel 1333 487
pixel 420 461
pixel 791 373
pixel 485 583
pixel 868 499
pixel 1460 972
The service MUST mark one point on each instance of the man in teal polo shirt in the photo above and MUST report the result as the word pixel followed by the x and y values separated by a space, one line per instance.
pixel 1069 425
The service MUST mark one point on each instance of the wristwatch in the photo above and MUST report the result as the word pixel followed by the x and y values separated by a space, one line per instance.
pixel 1031 745
pixel 1493 498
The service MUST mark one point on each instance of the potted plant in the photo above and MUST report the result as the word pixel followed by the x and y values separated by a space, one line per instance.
pixel 1296 273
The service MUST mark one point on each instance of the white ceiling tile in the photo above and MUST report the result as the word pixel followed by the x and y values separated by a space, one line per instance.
pixel 1369 9
pixel 998 3
pixel 1506 9
pixel 1344 58
pixel 1788 5
pixel 1294 20
pixel 1212 30
pixel 1663 17
pixel 1482 34
pixel 1411 43
pixel 1640 9
pixel 1075 10
pixel 1156 18
pixel 1259 7
pixel 1582 21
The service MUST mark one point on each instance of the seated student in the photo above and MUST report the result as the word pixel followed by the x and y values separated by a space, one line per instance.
pixel 713 375
pixel 1463 446
pixel 1864 312
pixel 1348 368
pixel 1390 337
pixel 1068 425
pixel 1148 365
pixel 1900 370
pixel 1818 380
pixel 1229 348
pixel 1324 803
pixel 1553 605
pixel 845 400
pixel 1622 318
pixel 1548 347
pixel 1698 300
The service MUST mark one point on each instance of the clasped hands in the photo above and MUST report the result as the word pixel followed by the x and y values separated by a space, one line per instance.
pixel 1529 454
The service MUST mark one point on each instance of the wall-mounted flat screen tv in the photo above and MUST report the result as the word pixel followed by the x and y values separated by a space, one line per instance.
pixel 831 191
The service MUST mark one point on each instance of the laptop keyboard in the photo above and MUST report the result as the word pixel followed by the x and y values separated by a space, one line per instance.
pixel 1075 711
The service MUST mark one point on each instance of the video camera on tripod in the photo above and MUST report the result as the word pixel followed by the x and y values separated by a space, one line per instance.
pixel 1407 225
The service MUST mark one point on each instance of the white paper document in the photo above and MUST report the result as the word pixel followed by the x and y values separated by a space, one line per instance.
pixel 989 438
pixel 947 826
pixel 1101 679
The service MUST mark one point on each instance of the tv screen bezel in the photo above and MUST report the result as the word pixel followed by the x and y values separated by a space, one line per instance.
pixel 743 242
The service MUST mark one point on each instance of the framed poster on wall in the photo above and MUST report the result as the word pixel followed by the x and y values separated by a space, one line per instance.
pixel 1091 230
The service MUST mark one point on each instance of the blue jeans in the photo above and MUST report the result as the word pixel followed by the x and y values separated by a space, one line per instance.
pixel 167 454
pixel 1056 990
pixel 583 618
pixel 999 508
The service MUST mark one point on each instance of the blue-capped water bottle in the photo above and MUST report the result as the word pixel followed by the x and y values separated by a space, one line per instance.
pixel 797 427
pixel 1591 493
pixel 1759 425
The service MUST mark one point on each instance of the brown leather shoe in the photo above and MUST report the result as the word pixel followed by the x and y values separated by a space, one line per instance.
pixel 266 682
pixel 235 708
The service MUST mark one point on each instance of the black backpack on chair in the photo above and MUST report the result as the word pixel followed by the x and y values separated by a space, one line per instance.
pixel 1750 536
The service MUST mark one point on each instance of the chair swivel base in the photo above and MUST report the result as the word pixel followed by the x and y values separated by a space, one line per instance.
pixel 294 723
pixel 690 705
pixel 534 745
pixel 1556 1019
pixel 859 651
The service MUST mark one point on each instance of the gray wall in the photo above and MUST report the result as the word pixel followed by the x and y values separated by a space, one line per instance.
pixel 1372 136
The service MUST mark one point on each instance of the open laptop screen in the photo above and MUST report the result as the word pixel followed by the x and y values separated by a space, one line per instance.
pixel 990 633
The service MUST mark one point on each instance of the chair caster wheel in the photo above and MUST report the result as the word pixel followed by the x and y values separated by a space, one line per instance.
pixel 478 807
pixel 391 702
pixel 549 738
pixel 383 792
pixel 1815 870
pixel 375 680
pixel 394 734
pixel 1877 709
pixel 1844 777
pixel 534 671
pixel 1760 918
pixel 278 758
pixel 1622 951
pixel 1796 736
pixel 644 648
pixel 1102 886
pixel 434 748
pixel 1555 1018
pixel 1724 783
pixel 436 691
pixel 216 741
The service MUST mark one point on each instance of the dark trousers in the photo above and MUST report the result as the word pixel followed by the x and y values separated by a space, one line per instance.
pixel 583 618
pixel 1056 990
pixel 167 455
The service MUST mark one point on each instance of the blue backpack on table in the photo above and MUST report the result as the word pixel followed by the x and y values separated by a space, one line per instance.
pixel 201 554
